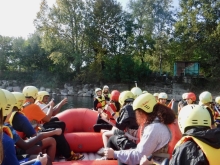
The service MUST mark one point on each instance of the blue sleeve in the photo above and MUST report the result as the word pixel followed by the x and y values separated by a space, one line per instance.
pixel 21 123
pixel 37 163
pixel 9 151
pixel 16 137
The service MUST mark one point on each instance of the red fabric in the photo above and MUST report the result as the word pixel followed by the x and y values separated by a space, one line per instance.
pixel 176 136
pixel 84 141
pixel 78 120
pixel 109 114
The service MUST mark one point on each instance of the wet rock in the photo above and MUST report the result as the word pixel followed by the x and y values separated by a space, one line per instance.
pixel 80 93
pixel 70 88
pixel 48 90
pixel 64 92
pixel 17 89
pixel 42 89
pixel 86 95
pixel 71 93
pixel 14 82
pixel 85 90
pixel 9 88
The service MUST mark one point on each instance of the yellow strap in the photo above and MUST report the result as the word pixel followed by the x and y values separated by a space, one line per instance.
pixel 212 154
pixel 12 117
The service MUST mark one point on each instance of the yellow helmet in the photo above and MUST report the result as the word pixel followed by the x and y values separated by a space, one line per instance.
pixel 136 91
pixel 3 101
pixel 145 102
pixel 205 97
pixel 10 102
pixel 193 115
pixel 41 95
pixel 20 99
pixel 30 91
pixel 125 96
pixel 217 100
pixel 162 95
pixel 156 94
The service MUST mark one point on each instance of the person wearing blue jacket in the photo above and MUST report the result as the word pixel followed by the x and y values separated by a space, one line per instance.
pixel 7 149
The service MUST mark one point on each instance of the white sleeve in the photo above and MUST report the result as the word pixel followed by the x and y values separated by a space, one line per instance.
pixel 154 138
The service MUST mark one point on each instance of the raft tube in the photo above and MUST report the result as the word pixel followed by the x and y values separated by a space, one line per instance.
pixel 81 137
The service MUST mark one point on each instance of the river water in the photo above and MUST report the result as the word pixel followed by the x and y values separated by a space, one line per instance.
pixel 75 102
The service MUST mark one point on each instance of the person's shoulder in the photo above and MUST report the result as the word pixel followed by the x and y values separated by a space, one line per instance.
pixel 19 117
pixel 156 126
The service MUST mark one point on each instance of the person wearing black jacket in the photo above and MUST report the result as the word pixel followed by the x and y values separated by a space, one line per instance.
pixel 126 124
pixel 199 145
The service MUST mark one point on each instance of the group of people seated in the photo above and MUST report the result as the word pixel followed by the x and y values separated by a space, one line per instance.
pixel 145 130
pixel 137 128
pixel 28 123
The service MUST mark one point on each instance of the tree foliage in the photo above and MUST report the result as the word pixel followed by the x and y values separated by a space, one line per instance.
pixel 98 41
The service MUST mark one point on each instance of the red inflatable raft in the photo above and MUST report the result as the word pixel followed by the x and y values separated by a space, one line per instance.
pixel 81 137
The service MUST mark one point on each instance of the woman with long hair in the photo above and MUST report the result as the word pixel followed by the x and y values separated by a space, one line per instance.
pixel 155 136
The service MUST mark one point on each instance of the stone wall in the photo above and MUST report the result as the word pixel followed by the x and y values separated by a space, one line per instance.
pixel 174 90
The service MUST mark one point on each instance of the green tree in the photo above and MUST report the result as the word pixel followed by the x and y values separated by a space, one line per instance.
pixel 197 34
pixel 5 52
pixel 62 32
pixel 153 19
pixel 103 32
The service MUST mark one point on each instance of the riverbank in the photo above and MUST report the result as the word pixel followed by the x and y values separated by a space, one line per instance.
pixel 174 90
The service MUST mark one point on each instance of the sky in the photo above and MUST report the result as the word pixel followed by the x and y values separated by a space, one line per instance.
pixel 17 16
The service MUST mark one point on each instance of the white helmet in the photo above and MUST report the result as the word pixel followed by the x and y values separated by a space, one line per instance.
pixel 193 115
pixel 98 89
pixel 162 95
pixel 156 94
pixel 217 100
pixel 136 91
pixel 144 92
pixel 105 87
pixel 184 96
pixel 205 97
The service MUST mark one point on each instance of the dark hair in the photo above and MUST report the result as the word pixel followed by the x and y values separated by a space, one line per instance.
pixel 118 106
pixel 163 113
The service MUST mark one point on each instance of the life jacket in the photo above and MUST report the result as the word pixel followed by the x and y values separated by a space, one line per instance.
pixel 106 95
pixel 109 114
pixel 21 134
pixel 7 130
pixel 101 103
pixel 212 154
pixel 217 113
pixel 12 117
pixel 175 137
pixel 210 110
pixel 35 124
